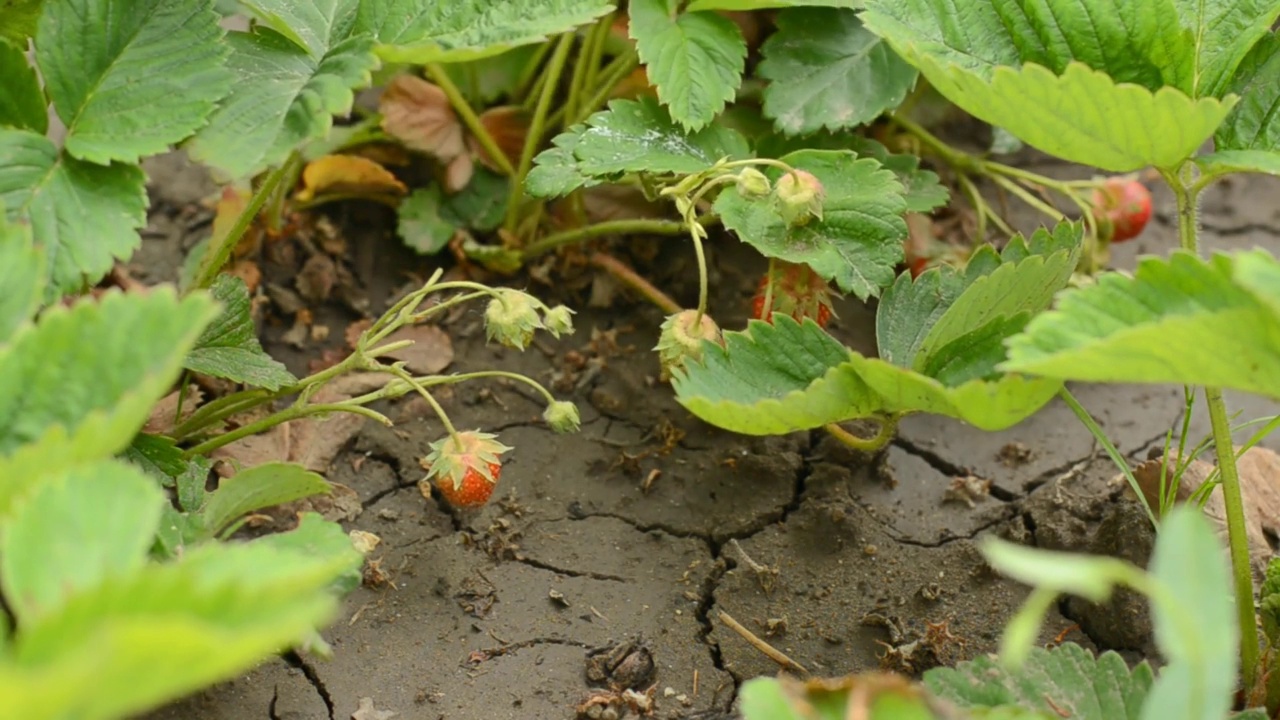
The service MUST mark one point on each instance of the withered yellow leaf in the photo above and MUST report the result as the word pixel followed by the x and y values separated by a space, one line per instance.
pixel 347 175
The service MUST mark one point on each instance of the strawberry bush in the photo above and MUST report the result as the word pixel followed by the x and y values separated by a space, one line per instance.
pixel 798 127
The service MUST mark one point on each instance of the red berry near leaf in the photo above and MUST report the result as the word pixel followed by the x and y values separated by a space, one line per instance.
pixel 795 290
pixel 1125 205
pixel 464 468
pixel 474 489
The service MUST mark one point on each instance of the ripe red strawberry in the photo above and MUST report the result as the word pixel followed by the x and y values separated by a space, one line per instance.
pixel 797 291
pixel 1123 204
pixel 464 468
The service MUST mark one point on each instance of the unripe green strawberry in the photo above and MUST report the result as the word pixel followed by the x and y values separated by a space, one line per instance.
pixel 682 337
pixel 752 183
pixel 562 416
pixel 800 197
pixel 558 321
pixel 511 318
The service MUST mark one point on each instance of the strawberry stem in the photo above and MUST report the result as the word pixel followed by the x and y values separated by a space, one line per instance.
pixel 888 428
pixel 440 77
pixel 435 406
pixel 631 279
pixel 534 139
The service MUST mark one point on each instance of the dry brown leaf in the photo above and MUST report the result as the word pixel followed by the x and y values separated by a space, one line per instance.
pixel 232 203
pixel 348 175
pixel 418 114
pixel 619 202
pixel 248 271
pixel 508 125
pixel 430 353
pixel 310 442
pixel 355 330
pixel 164 414
pixel 1259 470
pixel 316 278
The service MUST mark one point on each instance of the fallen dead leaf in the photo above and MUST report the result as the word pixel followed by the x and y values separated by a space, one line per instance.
pixel 310 442
pixel 1259 470
pixel 619 202
pixel 355 330
pixel 364 541
pixel 164 414
pixel 348 175
pixel 366 711
pixel 430 353
pixel 317 277
pixel 249 272
pixel 418 114
pixel 508 125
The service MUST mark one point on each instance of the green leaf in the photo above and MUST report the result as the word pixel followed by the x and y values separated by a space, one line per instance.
pixel 481 205
pixel 825 70
pixel 21 276
pixel 990 404
pixel 421 225
pixel 1251 125
pixel 146 75
pixel 555 170
pixel 1224 162
pixel 695 59
pixel 1119 330
pixel 1065 681
pixel 18 20
pixel 1092 577
pixel 283 97
pixel 769 4
pixel 213 614
pixel 118 355
pixel 487 79
pixel 157 456
pixel 74 530
pixel 1023 285
pixel 191 483
pixel 321 538
pixel 631 137
pixel 868 697
pixel 858 241
pixel 428 31
pixel 22 103
pixel 1082 115
pixel 259 487
pixel 229 348
pixel 1194 621
pixel 774 379
pixel 313 26
pixel 85 216
pixel 1223 31
pixel 1132 42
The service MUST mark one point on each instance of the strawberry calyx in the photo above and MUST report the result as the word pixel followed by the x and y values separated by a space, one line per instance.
pixel 469 451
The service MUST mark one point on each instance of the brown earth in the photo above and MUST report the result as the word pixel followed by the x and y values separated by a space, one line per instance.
pixel 611 554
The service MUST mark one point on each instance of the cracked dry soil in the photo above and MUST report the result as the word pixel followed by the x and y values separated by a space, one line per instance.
pixel 608 556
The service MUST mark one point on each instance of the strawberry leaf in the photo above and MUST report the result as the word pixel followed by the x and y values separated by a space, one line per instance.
pixel 421 225
pixel 312 26
pixel 1119 329
pixel 284 96
pixel 258 487
pixel 20 19
pixel 923 190
pixel 229 346
pixel 827 71
pixel 630 137
pixel 1100 688
pixel 1251 125
pixel 22 277
pixel 85 216
pixel 695 59
pixel 145 74
pixel 770 4
pixel 429 31
pixel 1240 161
pixel 1132 42
pixel 1223 32
pixel 857 242
pixel 22 104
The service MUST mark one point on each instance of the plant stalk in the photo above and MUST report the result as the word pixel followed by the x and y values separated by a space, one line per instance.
pixel 641 226
pixel 536 127
pixel 1241 569
pixel 632 279
pixel 469 118
pixel 215 256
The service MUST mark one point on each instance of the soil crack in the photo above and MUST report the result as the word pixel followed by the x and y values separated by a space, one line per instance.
pixel 568 573
pixel 309 672
pixel 931 458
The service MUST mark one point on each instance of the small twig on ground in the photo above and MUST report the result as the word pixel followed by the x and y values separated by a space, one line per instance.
pixel 765 574
pixel 631 279
pixel 769 651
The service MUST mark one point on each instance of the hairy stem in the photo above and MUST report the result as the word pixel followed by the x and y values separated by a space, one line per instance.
pixel 888 428
pixel 1188 201
pixel 291 413
pixel 440 77
pixel 536 127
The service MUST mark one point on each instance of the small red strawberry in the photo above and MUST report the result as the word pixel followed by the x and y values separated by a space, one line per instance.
pixel 795 290
pixel 1125 205
pixel 464 468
